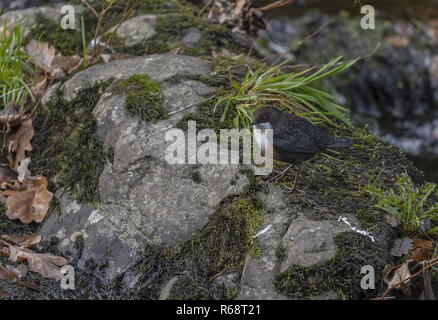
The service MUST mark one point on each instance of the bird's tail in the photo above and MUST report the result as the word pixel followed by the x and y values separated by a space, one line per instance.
pixel 340 143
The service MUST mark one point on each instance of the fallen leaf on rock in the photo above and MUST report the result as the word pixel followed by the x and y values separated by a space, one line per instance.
pixel 46 264
pixel 26 241
pixel 18 143
pixel 394 279
pixel 401 247
pixel 30 204
pixel 41 54
pixel 8 274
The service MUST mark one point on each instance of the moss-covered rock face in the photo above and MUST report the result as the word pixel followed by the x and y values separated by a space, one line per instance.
pixel 144 99
pixel 66 149
pixel 340 275
pixel 171 22
pixel 219 247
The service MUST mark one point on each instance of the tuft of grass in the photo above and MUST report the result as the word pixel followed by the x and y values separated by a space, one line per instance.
pixel 13 87
pixel 409 204
pixel 294 92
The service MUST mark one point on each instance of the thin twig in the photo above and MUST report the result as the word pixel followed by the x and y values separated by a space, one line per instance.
pixel 430 264
pixel 189 106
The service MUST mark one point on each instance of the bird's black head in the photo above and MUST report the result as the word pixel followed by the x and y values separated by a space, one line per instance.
pixel 265 116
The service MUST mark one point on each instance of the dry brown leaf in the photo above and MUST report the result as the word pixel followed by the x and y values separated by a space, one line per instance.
pixel 41 53
pixel 38 87
pixel 239 15
pixel 178 50
pixel 8 274
pixel 30 204
pixel 394 279
pixel 12 116
pixel 46 264
pixel 423 244
pixel 26 241
pixel 422 249
pixel 18 143
pixel 421 254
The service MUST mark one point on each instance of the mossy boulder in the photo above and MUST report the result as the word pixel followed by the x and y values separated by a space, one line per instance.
pixel 134 226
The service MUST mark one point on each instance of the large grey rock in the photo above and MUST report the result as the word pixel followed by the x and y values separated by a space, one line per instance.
pixel 144 200
pixel 161 67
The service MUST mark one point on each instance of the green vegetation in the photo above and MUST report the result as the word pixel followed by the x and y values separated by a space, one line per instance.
pixel 13 88
pixel 292 91
pixel 67 42
pixel 66 148
pixel 144 98
pixel 409 204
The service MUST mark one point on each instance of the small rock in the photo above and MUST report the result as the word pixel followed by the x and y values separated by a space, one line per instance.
pixel 192 36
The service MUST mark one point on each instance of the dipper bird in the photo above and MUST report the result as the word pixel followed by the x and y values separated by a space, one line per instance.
pixel 294 138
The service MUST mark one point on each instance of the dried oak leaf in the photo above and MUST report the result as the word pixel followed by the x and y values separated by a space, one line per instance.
pixel 18 143
pixel 423 250
pixel 401 247
pixel 26 241
pixel 30 204
pixel 12 115
pixel 46 264
pixel 394 279
pixel 41 53
pixel 8 274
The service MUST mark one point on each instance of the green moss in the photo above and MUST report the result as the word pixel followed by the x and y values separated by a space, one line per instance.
pixel 221 245
pixel 189 289
pixel 224 241
pixel 66 149
pixel 3 218
pixel 144 98
pixel 67 42
pixel 171 28
pixel 341 274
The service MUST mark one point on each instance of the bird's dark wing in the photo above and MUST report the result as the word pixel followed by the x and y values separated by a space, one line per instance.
pixel 294 140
